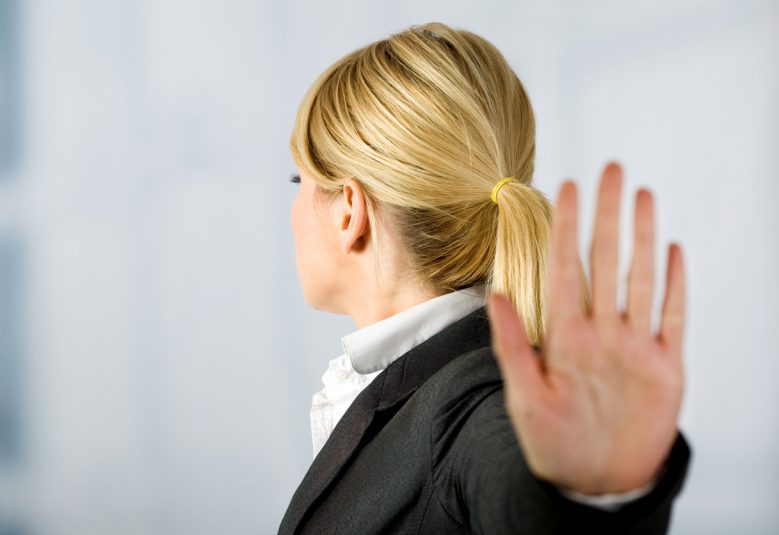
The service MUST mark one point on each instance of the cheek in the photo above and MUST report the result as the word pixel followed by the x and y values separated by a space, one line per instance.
pixel 313 252
pixel 304 230
pixel 294 211
pixel 298 219
pixel 297 222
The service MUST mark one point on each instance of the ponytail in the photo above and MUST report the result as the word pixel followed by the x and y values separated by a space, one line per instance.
pixel 520 265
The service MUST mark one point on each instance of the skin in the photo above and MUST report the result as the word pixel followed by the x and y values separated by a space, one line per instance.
pixel 597 412
pixel 334 253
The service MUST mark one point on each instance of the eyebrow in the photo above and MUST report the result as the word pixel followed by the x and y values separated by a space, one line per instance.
pixel 294 178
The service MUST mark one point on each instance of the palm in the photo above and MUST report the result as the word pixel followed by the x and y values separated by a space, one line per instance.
pixel 597 412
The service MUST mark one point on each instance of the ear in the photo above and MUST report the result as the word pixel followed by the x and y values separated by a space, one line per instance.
pixel 353 218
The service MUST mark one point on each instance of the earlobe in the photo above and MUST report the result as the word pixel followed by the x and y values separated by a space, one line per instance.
pixel 354 218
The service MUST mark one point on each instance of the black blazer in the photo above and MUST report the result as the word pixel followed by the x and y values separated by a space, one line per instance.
pixel 427 447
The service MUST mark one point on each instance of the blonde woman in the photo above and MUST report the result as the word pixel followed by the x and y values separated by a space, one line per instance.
pixel 416 215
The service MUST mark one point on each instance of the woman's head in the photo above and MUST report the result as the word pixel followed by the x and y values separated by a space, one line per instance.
pixel 427 122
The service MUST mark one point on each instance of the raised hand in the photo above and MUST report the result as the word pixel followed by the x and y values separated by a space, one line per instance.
pixel 596 411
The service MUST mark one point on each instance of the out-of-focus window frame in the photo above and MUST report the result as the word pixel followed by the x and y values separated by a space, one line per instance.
pixel 11 246
pixel 9 89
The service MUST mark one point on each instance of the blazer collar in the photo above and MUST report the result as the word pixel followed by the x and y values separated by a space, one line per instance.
pixel 394 385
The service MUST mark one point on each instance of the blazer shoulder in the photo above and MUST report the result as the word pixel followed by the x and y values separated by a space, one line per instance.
pixel 458 393
pixel 468 377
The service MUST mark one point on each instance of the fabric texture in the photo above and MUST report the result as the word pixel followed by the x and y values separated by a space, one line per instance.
pixel 427 447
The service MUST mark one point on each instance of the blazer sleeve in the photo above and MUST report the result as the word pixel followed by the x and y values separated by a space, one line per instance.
pixel 483 482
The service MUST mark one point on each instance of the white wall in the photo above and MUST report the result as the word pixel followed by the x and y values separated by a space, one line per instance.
pixel 169 356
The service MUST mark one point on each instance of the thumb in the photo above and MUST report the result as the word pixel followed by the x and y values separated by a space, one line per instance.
pixel 521 369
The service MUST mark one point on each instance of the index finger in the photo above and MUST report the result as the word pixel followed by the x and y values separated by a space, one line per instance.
pixel 565 268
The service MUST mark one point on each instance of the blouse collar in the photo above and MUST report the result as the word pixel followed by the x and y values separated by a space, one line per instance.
pixel 376 346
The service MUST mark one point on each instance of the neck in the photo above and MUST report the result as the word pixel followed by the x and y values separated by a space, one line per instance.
pixel 375 303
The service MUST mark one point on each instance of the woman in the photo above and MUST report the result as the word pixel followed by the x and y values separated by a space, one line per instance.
pixel 554 414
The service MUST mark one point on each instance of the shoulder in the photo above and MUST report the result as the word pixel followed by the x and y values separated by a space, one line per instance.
pixel 464 399
pixel 462 384
pixel 472 442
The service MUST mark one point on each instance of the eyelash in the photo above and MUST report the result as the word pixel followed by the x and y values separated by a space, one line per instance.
pixel 295 179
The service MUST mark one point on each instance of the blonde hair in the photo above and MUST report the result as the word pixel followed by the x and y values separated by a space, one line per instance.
pixel 428 121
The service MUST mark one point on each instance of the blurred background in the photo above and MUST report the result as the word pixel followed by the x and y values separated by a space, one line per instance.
pixel 157 358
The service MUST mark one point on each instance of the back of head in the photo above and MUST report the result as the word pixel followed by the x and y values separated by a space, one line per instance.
pixel 428 121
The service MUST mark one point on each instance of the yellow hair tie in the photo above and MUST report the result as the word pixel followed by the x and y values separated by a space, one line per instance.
pixel 497 187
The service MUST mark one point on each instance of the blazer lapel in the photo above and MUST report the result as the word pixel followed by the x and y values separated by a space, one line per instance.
pixel 334 454
pixel 394 385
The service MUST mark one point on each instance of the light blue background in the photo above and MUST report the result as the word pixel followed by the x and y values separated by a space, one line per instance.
pixel 160 357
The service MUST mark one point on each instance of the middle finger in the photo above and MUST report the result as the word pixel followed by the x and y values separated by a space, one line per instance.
pixel 604 252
